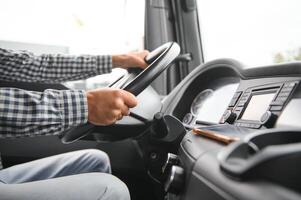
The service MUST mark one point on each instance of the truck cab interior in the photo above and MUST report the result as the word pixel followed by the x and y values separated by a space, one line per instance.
pixel 219 109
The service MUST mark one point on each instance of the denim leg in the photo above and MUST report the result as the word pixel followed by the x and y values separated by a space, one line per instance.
pixel 90 186
pixel 71 163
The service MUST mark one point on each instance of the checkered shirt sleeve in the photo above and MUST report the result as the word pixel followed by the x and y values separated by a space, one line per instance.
pixel 28 113
pixel 25 66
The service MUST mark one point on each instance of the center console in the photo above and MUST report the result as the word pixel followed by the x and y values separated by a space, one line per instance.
pixel 258 106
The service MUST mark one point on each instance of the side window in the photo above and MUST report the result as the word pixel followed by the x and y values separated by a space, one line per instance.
pixel 74 27
pixel 255 32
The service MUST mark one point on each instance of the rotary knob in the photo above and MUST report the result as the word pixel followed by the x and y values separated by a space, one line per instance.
pixel 229 117
pixel 268 119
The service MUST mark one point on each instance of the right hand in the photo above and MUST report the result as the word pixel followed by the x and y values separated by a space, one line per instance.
pixel 106 106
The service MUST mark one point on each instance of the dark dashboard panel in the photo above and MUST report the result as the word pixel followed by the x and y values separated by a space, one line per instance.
pixel 273 90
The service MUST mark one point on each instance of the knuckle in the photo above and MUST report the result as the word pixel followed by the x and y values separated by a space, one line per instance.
pixel 117 93
pixel 115 113
pixel 118 103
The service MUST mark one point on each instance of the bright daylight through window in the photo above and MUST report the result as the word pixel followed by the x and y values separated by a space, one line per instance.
pixel 74 27
pixel 257 32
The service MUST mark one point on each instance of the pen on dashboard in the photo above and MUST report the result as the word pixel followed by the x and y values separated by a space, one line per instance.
pixel 215 136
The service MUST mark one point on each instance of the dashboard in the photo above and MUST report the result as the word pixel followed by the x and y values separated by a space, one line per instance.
pixel 243 104
pixel 260 106
pixel 233 99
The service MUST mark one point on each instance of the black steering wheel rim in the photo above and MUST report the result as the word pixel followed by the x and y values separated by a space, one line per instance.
pixel 158 60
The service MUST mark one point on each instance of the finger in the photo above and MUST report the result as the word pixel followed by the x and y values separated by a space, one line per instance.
pixel 125 110
pixel 115 113
pixel 119 117
pixel 129 99
pixel 144 54
pixel 142 64
pixel 139 62
pixel 141 59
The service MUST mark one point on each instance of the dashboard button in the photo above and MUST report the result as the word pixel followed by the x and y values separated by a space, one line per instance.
pixel 235 98
pixel 241 103
pixel 286 90
pixel 238 109
pixel 257 126
pixel 246 125
pixel 277 103
pixel 253 126
pixel 281 99
pixel 268 119
pixel 290 84
pixel 276 108
pixel 233 102
pixel 284 94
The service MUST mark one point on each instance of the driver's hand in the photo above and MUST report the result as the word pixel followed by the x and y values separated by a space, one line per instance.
pixel 135 59
pixel 106 106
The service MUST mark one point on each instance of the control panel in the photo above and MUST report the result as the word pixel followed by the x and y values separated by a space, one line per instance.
pixel 258 106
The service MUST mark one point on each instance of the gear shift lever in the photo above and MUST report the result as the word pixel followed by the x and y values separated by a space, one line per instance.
pixel 159 128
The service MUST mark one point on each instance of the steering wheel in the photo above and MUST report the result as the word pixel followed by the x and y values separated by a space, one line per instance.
pixel 158 60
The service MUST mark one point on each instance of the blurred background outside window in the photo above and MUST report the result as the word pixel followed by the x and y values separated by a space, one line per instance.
pixel 255 32
pixel 74 27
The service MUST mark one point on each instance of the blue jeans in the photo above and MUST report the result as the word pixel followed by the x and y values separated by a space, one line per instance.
pixel 81 175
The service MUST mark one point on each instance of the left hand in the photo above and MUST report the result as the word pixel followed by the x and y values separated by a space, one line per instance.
pixel 135 59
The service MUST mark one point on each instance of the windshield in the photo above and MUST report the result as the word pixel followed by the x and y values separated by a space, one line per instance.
pixel 257 32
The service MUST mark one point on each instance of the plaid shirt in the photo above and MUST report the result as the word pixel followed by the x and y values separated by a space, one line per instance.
pixel 28 113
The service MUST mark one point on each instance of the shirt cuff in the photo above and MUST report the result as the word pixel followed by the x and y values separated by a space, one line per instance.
pixel 104 64
pixel 74 107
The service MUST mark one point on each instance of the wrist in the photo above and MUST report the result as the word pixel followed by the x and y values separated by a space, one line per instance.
pixel 119 60
pixel 90 103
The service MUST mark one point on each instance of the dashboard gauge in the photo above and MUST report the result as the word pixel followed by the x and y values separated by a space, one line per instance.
pixel 187 118
pixel 199 100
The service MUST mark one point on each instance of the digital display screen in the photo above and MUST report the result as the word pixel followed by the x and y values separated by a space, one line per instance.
pixel 257 106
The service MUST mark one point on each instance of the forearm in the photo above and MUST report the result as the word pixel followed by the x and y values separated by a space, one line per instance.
pixel 25 113
pixel 25 66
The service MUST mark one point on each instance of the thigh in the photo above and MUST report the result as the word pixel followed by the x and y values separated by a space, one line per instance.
pixel 90 186
pixel 71 163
